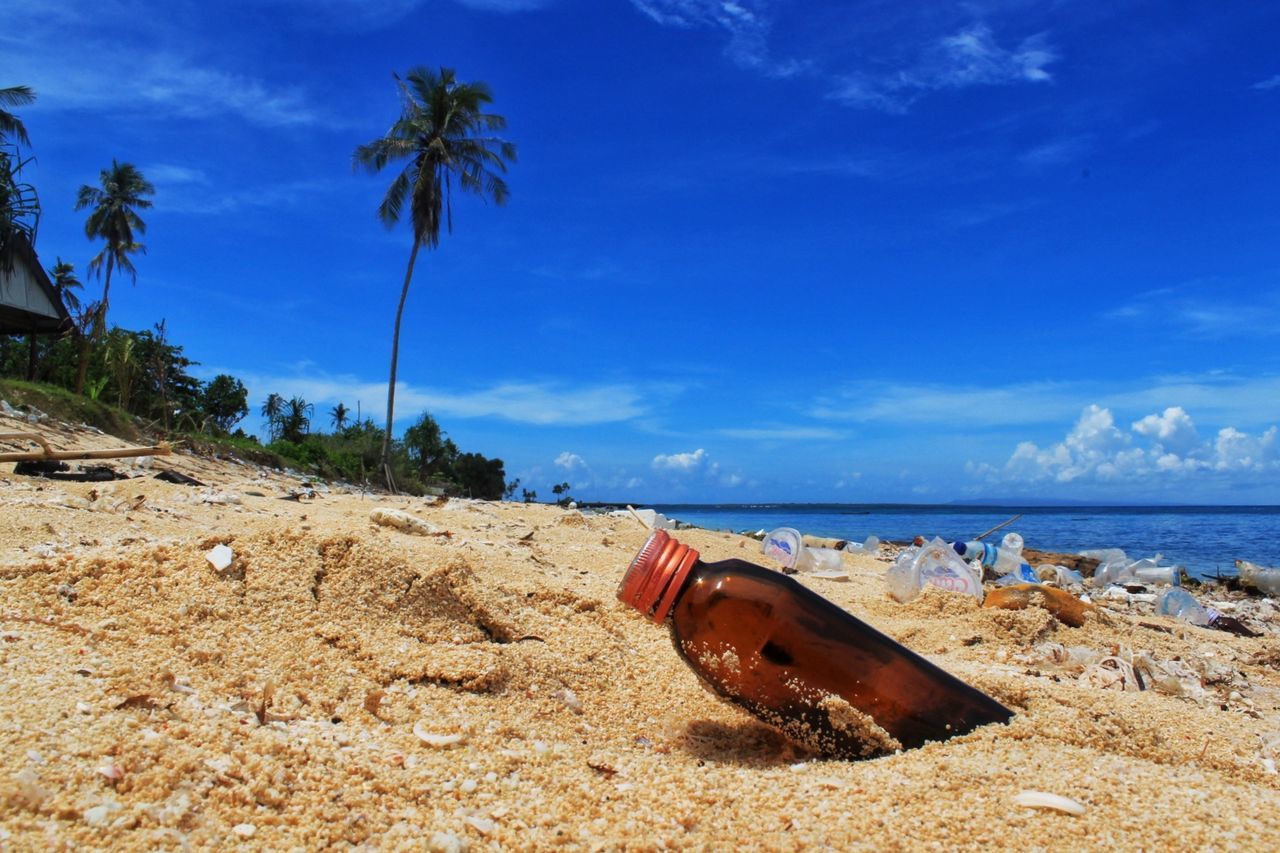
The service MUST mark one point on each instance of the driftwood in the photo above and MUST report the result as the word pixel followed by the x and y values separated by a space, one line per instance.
pixel 46 451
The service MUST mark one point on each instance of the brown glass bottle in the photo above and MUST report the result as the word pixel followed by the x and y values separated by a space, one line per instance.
pixel 765 642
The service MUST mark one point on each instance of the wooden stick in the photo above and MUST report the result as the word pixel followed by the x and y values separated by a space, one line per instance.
pixel 998 526
pixel 47 452
pixel 637 517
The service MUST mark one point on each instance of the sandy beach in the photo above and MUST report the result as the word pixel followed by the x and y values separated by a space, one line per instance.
pixel 475 684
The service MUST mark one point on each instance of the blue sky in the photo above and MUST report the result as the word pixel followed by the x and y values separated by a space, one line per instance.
pixel 755 250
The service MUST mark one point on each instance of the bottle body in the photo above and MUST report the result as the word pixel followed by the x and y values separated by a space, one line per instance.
pixel 1180 604
pixel 768 644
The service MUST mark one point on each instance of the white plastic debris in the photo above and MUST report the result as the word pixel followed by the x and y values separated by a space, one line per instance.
pixel 220 557
pixel 1045 800
pixel 244 830
pixel 401 520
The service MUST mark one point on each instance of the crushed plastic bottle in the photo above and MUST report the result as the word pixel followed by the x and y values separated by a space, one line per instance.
pixel 870 547
pixel 934 563
pixel 786 545
pixel 1265 579
pixel 769 644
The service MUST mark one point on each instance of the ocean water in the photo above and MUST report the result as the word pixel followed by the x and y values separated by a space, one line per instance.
pixel 1206 540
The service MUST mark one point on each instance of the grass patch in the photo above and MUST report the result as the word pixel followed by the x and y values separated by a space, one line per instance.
pixel 59 403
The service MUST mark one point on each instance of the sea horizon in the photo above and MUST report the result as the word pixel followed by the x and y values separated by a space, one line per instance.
pixel 1206 539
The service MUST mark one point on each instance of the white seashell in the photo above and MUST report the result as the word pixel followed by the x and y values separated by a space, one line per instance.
pixel 111 771
pixel 220 557
pixel 1045 800
pixel 438 741
pixel 244 830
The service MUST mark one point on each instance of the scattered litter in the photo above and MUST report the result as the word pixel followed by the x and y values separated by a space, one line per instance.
pixel 937 564
pixel 1265 579
pixel 787 546
pixel 220 557
pixel 1045 800
pixel 402 520
pixel 179 478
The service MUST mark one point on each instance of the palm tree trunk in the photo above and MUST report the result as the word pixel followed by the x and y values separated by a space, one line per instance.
pixel 96 330
pixel 395 356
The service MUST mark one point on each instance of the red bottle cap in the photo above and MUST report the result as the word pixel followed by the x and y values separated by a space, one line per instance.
pixel 656 574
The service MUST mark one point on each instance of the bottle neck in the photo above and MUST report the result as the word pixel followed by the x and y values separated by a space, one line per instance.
pixel 656 576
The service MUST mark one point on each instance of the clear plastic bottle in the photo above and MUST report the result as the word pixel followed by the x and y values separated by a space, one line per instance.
pixel 1002 560
pixel 1180 604
pixel 772 646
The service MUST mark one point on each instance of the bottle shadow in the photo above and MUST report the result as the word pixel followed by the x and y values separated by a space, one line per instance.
pixel 746 744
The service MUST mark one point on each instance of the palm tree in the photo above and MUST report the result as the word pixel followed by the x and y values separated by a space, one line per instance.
pixel 115 219
pixel 64 278
pixel 273 411
pixel 19 205
pixel 10 124
pixel 296 420
pixel 339 415
pixel 445 135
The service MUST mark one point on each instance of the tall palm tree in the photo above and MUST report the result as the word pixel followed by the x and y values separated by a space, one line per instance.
pixel 339 415
pixel 115 218
pixel 445 135
pixel 273 411
pixel 10 124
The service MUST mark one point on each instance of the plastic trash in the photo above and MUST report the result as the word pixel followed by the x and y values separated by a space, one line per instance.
pixel 1180 604
pixel 220 557
pixel 935 563
pixel 1265 579
pixel 786 545
pixel 870 547
pixel 1001 560
pixel 1022 574
pixel 1106 555
pixel 1061 575
pixel 1146 571
pixel 770 645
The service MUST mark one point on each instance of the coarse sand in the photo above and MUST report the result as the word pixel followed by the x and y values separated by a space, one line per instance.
pixel 472 682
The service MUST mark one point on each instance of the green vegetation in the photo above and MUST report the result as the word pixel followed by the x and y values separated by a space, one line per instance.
pixel 137 384
pixel 445 135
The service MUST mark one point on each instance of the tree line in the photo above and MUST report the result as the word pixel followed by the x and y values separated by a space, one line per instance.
pixel 446 137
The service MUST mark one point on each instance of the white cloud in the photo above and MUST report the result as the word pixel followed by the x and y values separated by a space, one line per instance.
pixel 111 77
pixel 682 462
pixel 1094 450
pixel 782 433
pixel 537 403
pixel 505 5
pixel 1210 314
pixel 162 174
pixel 1172 431
pixel 966 58
pixel 745 22
pixel 1216 395
pixel 1269 83
pixel 570 461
